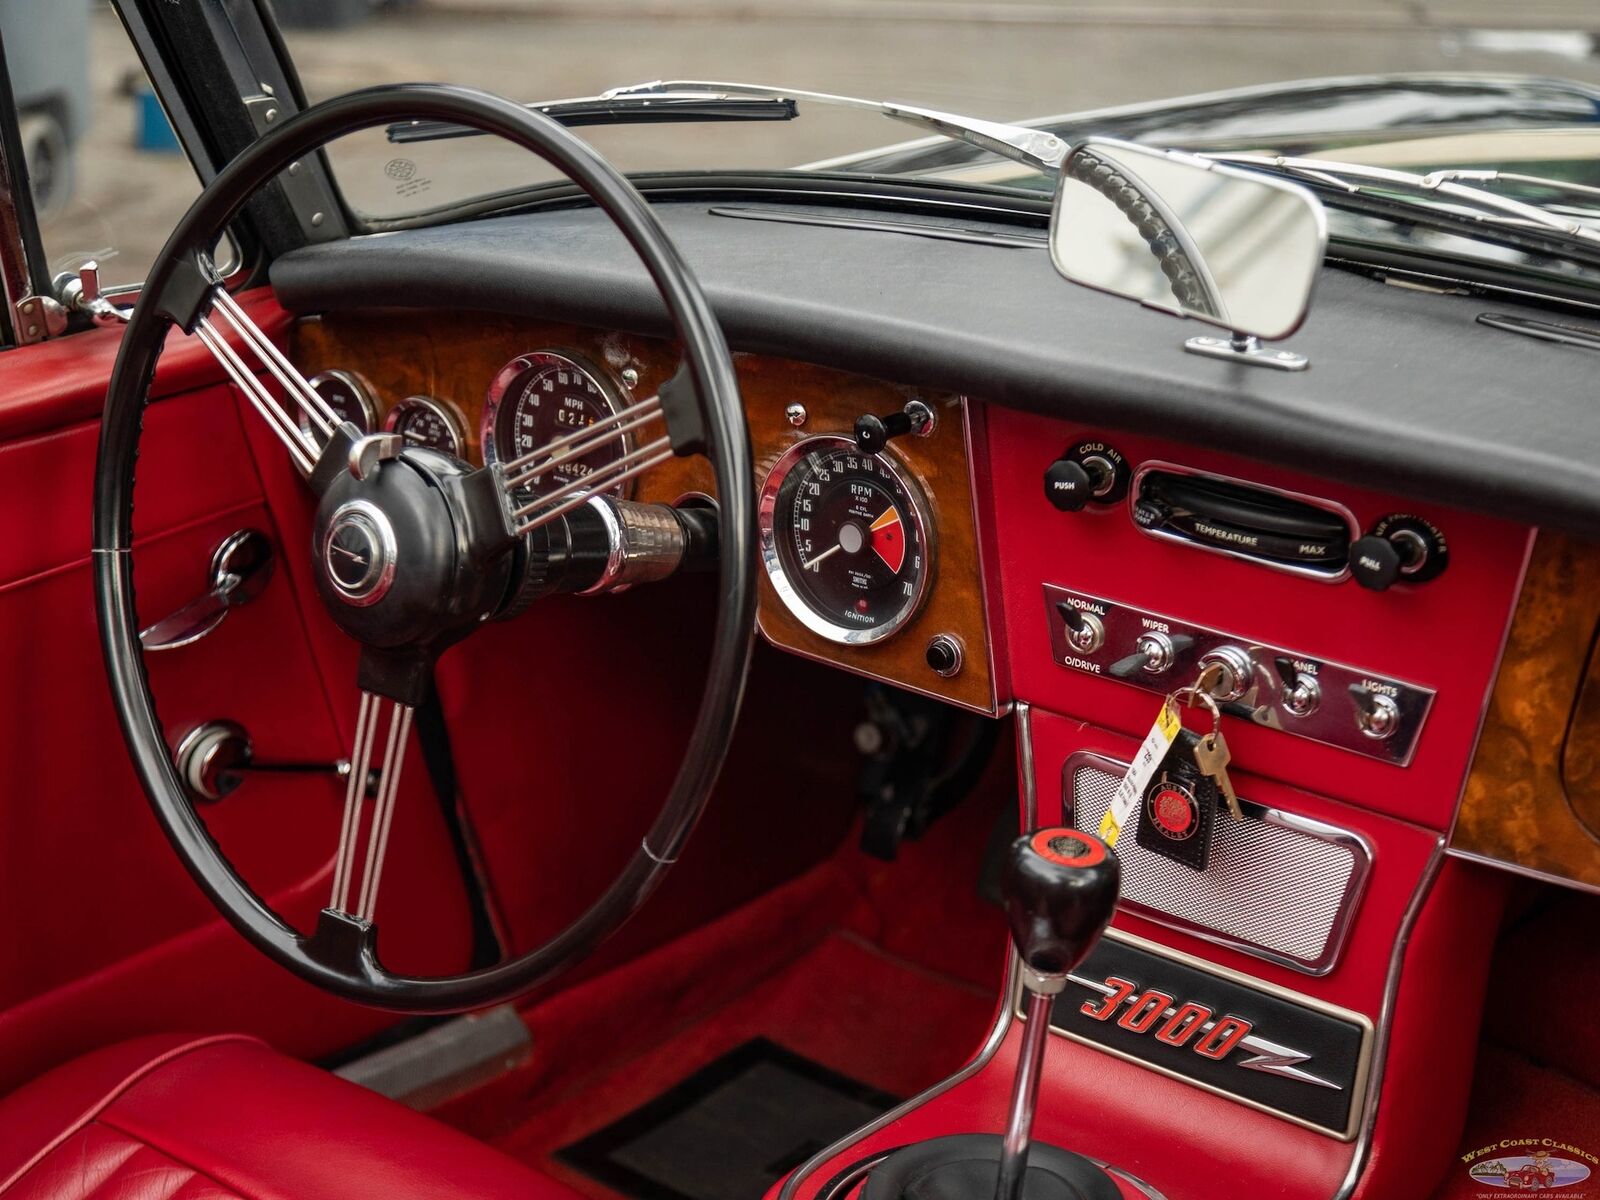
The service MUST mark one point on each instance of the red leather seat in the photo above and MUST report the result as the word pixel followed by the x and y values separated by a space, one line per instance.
pixel 172 1118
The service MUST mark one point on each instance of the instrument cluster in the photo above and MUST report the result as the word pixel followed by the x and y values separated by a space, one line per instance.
pixel 531 401
pixel 865 514
pixel 847 534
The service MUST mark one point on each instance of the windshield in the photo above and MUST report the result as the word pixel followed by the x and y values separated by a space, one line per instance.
pixel 1381 82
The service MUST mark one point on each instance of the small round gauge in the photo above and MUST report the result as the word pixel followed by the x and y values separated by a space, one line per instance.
pixel 845 540
pixel 542 396
pixel 425 421
pixel 350 397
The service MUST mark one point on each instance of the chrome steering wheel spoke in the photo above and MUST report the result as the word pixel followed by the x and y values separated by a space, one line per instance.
pixel 225 314
pixel 525 513
pixel 358 786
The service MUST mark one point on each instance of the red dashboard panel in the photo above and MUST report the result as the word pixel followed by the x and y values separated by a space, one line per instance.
pixel 1445 635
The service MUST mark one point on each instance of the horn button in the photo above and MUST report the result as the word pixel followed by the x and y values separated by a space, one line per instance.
pixel 359 553
pixel 390 554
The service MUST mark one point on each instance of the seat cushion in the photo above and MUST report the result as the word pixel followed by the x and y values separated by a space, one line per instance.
pixel 207 1118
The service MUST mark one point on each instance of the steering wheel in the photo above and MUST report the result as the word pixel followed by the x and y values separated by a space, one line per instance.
pixel 413 550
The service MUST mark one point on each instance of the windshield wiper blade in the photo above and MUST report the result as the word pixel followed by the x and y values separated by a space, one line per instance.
pixel 702 100
pixel 1491 207
pixel 685 107
pixel 1034 148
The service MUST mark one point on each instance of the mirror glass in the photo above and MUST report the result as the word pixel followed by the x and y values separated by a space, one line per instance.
pixel 1181 233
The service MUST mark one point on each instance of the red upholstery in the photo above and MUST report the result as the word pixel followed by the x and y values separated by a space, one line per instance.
pixel 172 1118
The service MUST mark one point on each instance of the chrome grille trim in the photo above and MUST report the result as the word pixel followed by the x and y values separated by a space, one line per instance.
pixel 1281 887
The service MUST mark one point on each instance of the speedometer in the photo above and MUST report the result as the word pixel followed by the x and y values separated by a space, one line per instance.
pixel 844 538
pixel 540 397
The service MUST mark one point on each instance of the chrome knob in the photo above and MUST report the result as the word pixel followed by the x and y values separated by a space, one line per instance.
pixel 1158 651
pixel 1377 715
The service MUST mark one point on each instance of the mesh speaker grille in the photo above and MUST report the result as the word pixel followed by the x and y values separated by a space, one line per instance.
pixel 1269 887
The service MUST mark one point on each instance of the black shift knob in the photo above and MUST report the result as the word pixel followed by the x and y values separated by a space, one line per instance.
pixel 1060 887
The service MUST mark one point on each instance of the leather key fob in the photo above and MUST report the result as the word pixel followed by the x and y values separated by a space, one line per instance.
pixel 1178 811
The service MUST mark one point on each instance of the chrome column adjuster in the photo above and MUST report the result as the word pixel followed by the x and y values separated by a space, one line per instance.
pixel 359 552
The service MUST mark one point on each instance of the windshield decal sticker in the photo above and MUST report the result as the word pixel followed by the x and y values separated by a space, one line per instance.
pixel 404 173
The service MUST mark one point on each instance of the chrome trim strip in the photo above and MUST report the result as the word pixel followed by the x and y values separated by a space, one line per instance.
pixel 1003 1014
pixel 1025 765
pixel 1361 1086
pixel 1391 991
pixel 1331 506
pixel 1349 902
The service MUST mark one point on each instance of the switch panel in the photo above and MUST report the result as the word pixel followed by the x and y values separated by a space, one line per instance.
pixel 1273 686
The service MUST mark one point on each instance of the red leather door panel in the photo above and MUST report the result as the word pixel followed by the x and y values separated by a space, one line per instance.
pixel 106 935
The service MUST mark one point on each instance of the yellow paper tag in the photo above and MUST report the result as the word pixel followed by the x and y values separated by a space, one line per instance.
pixel 1145 761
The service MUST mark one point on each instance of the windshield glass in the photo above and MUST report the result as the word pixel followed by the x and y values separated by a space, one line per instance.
pixel 1451 84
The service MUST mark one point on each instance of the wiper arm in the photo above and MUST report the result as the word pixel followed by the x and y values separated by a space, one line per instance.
pixel 605 110
pixel 1032 147
pixel 1493 208
pixel 700 100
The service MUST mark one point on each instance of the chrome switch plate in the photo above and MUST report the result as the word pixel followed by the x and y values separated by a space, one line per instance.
pixel 1343 692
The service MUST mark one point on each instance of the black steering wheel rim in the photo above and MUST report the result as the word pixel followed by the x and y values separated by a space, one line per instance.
pixel 340 956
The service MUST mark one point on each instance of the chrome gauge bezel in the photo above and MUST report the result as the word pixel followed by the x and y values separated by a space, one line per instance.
pixel 443 409
pixel 772 560
pixel 610 390
pixel 364 394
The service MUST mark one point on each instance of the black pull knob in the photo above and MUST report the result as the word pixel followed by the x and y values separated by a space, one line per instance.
pixel 1376 562
pixel 873 432
pixel 1060 887
pixel 1402 547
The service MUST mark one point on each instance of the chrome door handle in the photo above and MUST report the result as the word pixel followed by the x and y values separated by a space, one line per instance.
pixel 241 565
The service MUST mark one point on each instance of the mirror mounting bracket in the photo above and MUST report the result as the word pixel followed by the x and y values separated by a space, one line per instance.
pixel 1247 350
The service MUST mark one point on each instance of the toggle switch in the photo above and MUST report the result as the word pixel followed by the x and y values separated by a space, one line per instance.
pixel 1377 715
pixel 1086 633
pixel 1301 693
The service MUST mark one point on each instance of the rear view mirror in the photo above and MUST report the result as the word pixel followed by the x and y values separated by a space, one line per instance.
pixel 1191 237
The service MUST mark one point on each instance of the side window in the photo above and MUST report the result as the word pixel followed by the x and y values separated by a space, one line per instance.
pixel 109 178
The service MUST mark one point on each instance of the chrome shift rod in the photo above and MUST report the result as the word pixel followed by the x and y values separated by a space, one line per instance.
pixel 1060 888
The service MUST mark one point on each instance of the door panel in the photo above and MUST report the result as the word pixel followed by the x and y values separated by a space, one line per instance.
pixel 106 935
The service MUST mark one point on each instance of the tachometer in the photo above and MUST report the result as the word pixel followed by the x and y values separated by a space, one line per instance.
pixel 542 396
pixel 425 421
pixel 845 540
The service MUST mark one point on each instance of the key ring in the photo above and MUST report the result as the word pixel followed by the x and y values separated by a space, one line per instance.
pixel 1197 691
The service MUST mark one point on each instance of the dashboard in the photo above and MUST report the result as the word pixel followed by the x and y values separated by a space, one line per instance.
pixel 871 560
pixel 1067 519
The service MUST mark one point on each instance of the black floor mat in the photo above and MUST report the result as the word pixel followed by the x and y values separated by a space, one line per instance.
pixel 730 1130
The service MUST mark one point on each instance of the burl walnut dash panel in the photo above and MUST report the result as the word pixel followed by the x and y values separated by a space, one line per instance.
pixel 453 357
pixel 1532 798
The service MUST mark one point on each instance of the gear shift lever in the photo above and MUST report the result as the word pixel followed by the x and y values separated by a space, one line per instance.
pixel 1060 887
